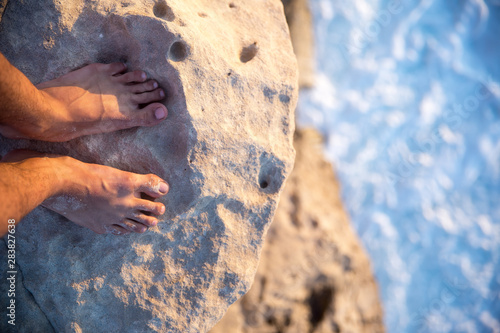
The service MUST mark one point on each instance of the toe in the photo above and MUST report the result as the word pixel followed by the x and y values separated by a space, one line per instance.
pixel 117 230
pixel 143 87
pixel 135 76
pixel 148 97
pixel 151 114
pixel 152 186
pixel 133 226
pixel 148 221
pixel 116 68
pixel 155 208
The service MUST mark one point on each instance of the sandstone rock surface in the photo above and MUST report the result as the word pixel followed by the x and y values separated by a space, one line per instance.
pixel 313 275
pixel 226 149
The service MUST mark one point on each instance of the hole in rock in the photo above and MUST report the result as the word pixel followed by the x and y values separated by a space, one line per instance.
pixel 249 52
pixel 346 263
pixel 263 282
pixel 271 175
pixel 178 51
pixel 288 320
pixel 319 301
pixel 162 10
pixel 284 99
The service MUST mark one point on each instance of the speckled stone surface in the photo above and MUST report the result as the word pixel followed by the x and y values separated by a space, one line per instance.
pixel 226 149
pixel 313 275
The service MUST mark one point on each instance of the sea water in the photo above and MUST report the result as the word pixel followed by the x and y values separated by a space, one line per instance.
pixel 408 97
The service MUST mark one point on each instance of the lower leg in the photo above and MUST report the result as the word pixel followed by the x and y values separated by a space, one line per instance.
pixel 101 198
pixel 94 99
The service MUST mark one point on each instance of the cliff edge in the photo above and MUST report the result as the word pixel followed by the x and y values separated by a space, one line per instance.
pixel 313 274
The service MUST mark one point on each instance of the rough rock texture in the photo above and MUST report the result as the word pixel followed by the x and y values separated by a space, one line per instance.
pixel 226 149
pixel 313 275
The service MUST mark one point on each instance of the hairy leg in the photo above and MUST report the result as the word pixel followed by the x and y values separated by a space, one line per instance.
pixel 97 98
pixel 101 198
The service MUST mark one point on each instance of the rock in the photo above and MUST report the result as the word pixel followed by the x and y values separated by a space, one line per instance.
pixel 313 275
pixel 3 4
pixel 25 305
pixel 299 19
pixel 225 149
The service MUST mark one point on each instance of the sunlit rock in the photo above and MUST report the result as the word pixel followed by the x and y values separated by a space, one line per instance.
pixel 313 275
pixel 226 149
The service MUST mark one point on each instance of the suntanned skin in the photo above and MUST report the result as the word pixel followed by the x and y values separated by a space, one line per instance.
pixel 95 99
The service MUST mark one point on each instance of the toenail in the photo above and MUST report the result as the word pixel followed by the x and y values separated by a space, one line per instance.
pixel 159 113
pixel 143 76
pixel 162 94
pixel 162 209
pixel 163 188
pixel 155 85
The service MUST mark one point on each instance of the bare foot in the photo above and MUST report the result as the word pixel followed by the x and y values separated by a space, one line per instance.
pixel 97 98
pixel 101 198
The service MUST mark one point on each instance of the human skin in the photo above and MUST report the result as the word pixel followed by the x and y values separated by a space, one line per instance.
pixel 97 98
pixel 94 99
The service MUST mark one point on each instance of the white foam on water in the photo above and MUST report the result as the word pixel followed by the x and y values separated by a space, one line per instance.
pixel 411 114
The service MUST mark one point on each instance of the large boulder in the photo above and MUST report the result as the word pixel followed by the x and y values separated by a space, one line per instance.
pixel 226 149
pixel 313 274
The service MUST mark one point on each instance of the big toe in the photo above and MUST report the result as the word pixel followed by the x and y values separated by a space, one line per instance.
pixel 152 186
pixel 152 114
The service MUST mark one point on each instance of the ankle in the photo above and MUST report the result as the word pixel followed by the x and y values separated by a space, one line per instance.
pixel 68 175
pixel 29 124
pixel 44 125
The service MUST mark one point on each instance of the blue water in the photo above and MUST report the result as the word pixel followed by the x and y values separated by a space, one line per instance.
pixel 408 98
